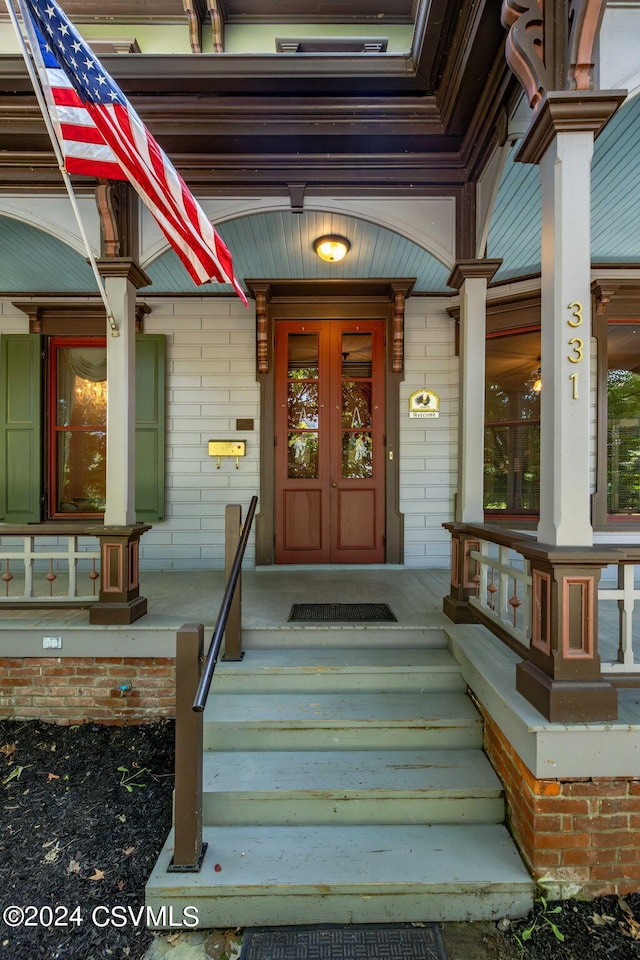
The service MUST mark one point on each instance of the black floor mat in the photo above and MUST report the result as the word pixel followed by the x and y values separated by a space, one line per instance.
pixel 370 941
pixel 341 612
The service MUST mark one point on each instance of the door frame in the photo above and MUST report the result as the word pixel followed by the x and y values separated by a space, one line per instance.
pixel 330 300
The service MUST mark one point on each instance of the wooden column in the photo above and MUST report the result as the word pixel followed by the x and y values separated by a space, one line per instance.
pixel 122 277
pixel 471 278
pixel 560 139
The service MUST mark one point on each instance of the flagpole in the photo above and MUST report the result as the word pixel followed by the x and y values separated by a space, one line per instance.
pixel 56 148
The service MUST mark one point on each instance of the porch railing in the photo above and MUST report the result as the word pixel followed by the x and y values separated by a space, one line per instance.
pixel 622 662
pixel 193 678
pixel 37 570
pixel 554 607
pixel 503 593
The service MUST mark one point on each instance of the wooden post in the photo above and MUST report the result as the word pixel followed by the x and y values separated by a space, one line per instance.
pixel 463 568
pixel 188 848
pixel 233 630
pixel 561 676
pixel 119 600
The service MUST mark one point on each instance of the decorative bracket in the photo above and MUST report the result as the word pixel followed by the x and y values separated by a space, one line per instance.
pixel 262 294
pixel 524 49
pixel 585 18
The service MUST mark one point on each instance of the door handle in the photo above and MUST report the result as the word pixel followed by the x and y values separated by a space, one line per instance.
pixel 334 484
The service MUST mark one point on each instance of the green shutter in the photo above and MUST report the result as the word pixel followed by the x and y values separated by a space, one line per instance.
pixel 150 399
pixel 20 426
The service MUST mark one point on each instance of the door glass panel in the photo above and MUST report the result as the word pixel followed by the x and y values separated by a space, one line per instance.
pixel 357 455
pixel 302 404
pixel 302 356
pixel 356 404
pixel 81 417
pixel 302 455
pixel 357 354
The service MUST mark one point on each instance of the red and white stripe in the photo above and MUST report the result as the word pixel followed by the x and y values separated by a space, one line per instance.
pixel 109 140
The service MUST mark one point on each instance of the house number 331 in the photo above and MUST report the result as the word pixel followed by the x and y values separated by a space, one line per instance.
pixel 576 343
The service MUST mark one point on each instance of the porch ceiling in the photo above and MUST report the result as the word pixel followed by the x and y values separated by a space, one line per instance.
pixel 247 122
pixel 279 244
pixel 515 232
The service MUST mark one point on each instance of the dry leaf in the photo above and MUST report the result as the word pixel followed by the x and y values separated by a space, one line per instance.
pixel 8 749
pixel 602 919
pixel 96 875
pixel 74 867
pixel 128 851
pixel 52 776
pixel 120 884
pixel 222 943
pixel 172 937
pixel 52 855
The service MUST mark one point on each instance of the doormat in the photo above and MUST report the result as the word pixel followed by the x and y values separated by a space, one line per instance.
pixel 334 612
pixel 383 941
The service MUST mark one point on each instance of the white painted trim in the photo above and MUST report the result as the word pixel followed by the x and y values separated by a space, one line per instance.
pixel 551 751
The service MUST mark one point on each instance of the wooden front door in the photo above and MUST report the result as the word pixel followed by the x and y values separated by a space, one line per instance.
pixel 329 453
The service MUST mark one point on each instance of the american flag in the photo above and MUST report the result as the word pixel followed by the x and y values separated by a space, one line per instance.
pixel 101 135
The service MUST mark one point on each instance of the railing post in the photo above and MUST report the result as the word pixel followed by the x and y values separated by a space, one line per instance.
pixel 188 848
pixel 233 630
pixel 562 676
pixel 119 600
pixel 463 570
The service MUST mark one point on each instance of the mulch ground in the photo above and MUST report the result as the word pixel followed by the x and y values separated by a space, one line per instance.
pixel 84 812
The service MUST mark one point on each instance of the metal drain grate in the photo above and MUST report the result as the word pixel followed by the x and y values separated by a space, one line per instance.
pixel 385 941
pixel 341 612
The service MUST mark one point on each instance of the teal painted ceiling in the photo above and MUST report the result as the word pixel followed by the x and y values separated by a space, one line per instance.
pixel 615 202
pixel 279 245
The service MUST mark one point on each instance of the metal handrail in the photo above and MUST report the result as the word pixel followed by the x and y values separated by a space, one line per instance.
pixel 211 660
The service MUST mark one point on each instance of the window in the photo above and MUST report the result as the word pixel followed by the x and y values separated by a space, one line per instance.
pixel 623 419
pixel 53 440
pixel 77 426
pixel 512 423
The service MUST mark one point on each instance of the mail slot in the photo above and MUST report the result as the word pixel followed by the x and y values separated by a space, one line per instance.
pixel 227 448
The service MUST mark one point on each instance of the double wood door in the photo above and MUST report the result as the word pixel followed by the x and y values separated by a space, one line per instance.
pixel 329 442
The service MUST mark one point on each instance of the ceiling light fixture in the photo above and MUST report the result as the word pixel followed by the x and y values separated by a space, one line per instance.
pixel 331 248
pixel 537 381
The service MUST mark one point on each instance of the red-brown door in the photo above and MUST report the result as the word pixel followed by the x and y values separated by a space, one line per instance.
pixel 329 483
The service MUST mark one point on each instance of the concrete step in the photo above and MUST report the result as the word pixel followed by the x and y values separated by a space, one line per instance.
pixel 342 635
pixel 359 787
pixel 318 721
pixel 276 875
pixel 333 669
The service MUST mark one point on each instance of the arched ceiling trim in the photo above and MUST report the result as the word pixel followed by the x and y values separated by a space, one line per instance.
pixel 279 244
pixel 427 222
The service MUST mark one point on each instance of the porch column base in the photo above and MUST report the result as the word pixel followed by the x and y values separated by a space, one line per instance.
pixel 119 600
pixel 566 701
pixel 118 613
pixel 457 610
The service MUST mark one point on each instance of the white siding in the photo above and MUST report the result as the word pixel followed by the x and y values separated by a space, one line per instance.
pixel 210 383
pixel 428 451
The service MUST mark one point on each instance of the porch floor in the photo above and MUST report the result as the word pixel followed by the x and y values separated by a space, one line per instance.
pixel 177 597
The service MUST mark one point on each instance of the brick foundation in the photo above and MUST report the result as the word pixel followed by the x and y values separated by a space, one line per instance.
pixel 79 689
pixel 578 837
